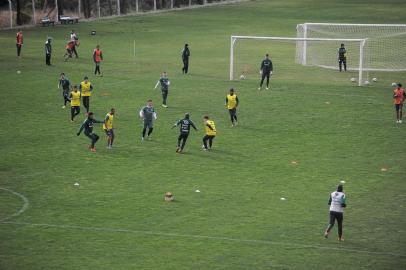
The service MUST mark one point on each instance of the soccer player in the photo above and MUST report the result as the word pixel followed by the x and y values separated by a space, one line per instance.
pixel 211 132
pixel 232 104
pixel 48 52
pixel 399 96
pixel 86 88
pixel 19 42
pixel 75 39
pixel 148 115
pixel 185 125
pixel 342 58
pixel 88 127
pixel 185 58
pixel 266 71
pixel 108 128
pixel 74 102
pixel 70 47
pixel 164 81
pixel 337 204
pixel 97 58
pixel 64 82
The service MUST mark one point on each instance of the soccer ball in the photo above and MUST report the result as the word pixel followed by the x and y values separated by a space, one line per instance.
pixel 366 82
pixel 394 84
pixel 374 79
pixel 353 80
pixel 18 72
pixel 242 77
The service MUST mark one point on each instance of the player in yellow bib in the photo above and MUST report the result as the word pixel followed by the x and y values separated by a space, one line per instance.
pixel 211 132
pixel 232 104
pixel 108 128
pixel 86 88
pixel 74 102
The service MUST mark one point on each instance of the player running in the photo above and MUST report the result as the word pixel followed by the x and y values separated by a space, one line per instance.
pixel 342 58
pixel 65 84
pixel 86 88
pixel 74 38
pixel 232 104
pixel 70 48
pixel 19 42
pixel 97 58
pixel 399 96
pixel 211 132
pixel 266 70
pixel 88 127
pixel 148 114
pixel 337 204
pixel 185 125
pixel 108 128
pixel 74 102
pixel 185 58
pixel 164 81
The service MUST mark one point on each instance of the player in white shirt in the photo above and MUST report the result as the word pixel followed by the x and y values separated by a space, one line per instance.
pixel 337 205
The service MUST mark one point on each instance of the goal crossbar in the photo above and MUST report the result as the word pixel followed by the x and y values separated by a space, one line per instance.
pixel 360 40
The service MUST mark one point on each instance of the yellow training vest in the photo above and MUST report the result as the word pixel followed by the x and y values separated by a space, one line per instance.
pixel 75 100
pixel 85 89
pixel 231 101
pixel 108 124
pixel 208 130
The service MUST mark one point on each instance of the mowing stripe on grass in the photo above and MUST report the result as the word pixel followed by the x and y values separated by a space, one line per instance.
pixel 22 209
pixel 196 236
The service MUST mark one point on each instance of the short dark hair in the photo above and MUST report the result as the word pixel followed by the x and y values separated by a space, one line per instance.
pixel 89 114
pixel 342 44
pixel 399 84
pixel 187 115
pixel 149 100
pixel 267 55
pixel 231 89
pixel 206 117
pixel 85 78
pixel 340 188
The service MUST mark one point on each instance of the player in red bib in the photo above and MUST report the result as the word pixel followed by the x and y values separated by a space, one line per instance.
pixel 70 47
pixel 19 42
pixel 399 96
pixel 97 58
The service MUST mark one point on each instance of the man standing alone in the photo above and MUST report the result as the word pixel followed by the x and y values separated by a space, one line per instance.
pixel 266 71
pixel 337 204
pixel 48 52
pixel 19 42
pixel 185 58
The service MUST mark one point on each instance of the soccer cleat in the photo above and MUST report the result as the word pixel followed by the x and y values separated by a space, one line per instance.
pixel 267 88
pixel 341 239
pixel 63 107
pixel 326 235
pixel 93 149
pixel 259 88
pixel 142 138
pixel 165 106
pixel 177 150
pixel 400 121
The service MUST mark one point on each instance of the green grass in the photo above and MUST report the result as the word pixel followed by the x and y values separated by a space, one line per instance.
pixel 117 218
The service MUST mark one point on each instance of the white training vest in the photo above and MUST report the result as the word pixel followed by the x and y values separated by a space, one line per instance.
pixel 337 199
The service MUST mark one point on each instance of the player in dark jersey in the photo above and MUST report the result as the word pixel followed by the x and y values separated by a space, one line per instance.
pixel 148 114
pixel 342 58
pixel 164 81
pixel 88 127
pixel 65 84
pixel 185 125
pixel 266 71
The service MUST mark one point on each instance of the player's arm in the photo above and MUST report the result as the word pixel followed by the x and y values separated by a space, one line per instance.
pixel 157 83
pixel 238 102
pixel 176 124
pixel 262 67
pixel 141 113
pixel 343 202
pixel 81 128
pixel 101 55
pixel 59 83
pixel 193 125
pixel 271 66
pixel 94 56
pixel 91 87
pixel 155 115
pixel 210 127
pixel 226 101
pixel 80 87
pixel 329 200
pixel 97 121
pixel 105 120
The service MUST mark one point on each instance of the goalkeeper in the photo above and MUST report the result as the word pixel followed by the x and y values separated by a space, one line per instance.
pixel 266 71
pixel 342 58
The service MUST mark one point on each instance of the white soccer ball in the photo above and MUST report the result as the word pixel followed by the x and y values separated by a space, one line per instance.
pixel 242 77
pixel 353 80
pixel 374 79
pixel 18 72
pixel 394 84
pixel 366 82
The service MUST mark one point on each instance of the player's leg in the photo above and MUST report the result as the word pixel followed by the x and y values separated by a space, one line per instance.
pixel 95 138
pixel 18 50
pixel 400 112
pixel 179 142
pixel 205 139
pixel 231 112
pixel 345 64
pixel 211 141
pixel 267 80
pixel 235 116
pixel 186 65
pixel 262 80
pixel 184 136
pixel 340 219
pixel 330 224
pixel 164 97
pixel 397 112
pixel 86 103
pixel 340 63
pixel 72 113
pixel 144 130
pixel 112 136
pixel 150 131
pixel 77 110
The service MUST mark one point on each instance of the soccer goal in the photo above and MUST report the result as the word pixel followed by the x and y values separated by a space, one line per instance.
pixel 246 53
pixel 384 48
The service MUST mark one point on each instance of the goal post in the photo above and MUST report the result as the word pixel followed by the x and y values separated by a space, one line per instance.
pixel 384 48
pixel 301 56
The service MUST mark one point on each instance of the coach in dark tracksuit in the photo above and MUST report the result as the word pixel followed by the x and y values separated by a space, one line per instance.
pixel 266 71
pixel 48 52
pixel 185 59
pixel 65 84
pixel 88 127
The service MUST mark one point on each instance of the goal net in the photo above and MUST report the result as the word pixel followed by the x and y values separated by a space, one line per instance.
pixel 384 48
pixel 247 53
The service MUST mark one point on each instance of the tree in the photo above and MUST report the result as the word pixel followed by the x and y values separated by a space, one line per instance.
pixel 86 8
pixel 19 16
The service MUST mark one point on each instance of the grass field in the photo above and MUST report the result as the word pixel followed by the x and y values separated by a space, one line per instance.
pixel 117 218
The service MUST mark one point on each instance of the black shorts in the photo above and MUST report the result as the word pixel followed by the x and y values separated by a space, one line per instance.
pixel 232 111
pixel 109 132
pixel 148 124
pixel 336 216
pixel 398 107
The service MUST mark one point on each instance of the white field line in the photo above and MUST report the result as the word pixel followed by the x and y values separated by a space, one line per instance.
pixel 22 209
pixel 195 236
